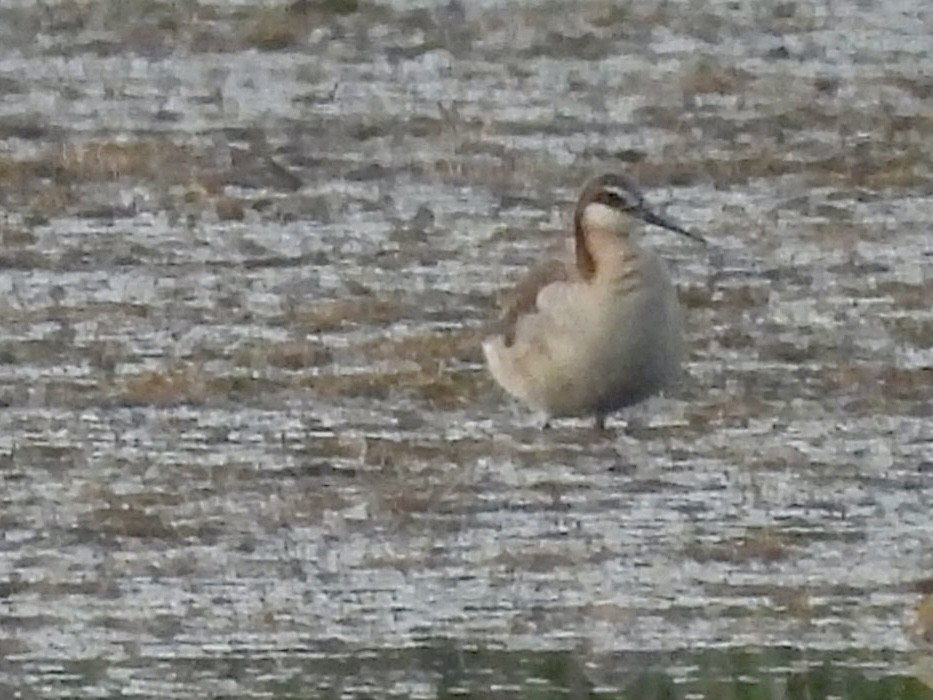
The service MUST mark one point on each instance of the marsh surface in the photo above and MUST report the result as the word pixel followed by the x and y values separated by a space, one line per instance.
pixel 247 446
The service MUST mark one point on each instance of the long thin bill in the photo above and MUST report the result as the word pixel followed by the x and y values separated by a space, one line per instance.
pixel 650 217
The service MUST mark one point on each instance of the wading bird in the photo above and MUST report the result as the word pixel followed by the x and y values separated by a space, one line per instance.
pixel 600 330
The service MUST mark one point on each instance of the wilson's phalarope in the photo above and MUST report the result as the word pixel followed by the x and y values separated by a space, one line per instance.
pixel 601 331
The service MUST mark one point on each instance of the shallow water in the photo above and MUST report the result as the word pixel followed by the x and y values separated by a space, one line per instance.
pixel 247 444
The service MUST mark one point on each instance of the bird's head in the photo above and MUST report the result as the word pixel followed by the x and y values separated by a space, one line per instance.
pixel 610 201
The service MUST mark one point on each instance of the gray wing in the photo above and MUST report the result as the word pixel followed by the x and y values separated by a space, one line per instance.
pixel 522 299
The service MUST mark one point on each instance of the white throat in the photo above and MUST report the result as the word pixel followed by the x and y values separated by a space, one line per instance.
pixel 601 216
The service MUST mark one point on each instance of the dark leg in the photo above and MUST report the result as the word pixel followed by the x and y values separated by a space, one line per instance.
pixel 601 422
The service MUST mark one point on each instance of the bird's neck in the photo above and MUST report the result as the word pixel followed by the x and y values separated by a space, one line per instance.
pixel 601 238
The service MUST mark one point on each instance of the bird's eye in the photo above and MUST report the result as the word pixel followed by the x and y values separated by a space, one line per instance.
pixel 620 199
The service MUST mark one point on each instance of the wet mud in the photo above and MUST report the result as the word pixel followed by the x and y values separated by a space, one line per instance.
pixel 247 444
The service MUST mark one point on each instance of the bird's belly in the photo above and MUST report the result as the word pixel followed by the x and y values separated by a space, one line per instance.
pixel 637 354
pixel 597 354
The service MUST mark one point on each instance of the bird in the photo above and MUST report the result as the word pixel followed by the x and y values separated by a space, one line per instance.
pixel 600 329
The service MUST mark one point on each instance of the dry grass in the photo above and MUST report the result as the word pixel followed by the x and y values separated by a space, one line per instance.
pixel 607 14
pixel 129 521
pixel 15 237
pixel 229 209
pixel 108 160
pixel 41 351
pixel 709 76
pixel 278 28
pixel 274 29
pixel 913 331
pixel 762 546
pixel 879 384
pixel 432 382
pixel 53 200
pixel 190 384
pixel 908 296
pixel 333 315
pixel 185 385
pixel 405 500
pixel 429 350
pixel 797 602
pixel 877 172
pixel 538 562
pixel 901 170
pixel 438 388
pixel 291 355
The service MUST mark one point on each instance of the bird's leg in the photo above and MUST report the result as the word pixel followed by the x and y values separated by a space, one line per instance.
pixel 601 422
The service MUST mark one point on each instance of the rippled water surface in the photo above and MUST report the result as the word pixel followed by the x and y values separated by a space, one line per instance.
pixel 247 444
